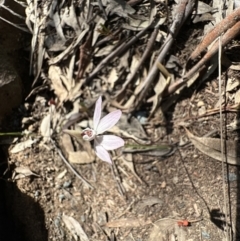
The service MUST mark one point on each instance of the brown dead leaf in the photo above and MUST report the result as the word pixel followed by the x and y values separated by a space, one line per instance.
pixel 80 157
pixel 83 156
pixel 212 148
pixel 128 223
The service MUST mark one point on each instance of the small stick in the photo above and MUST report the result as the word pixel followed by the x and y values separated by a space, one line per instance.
pixel 15 25
pixel 144 57
pixel 12 12
pixel 69 165
pixel 120 50
pixel 117 179
pixel 108 38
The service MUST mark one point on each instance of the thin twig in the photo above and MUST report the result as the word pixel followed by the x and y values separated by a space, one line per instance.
pixel 69 165
pixel 134 2
pixel 145 55
pixel 12 12
pixel 116 177
pixel 15 25
pixel 108 38
pixel 223 143
pixel 120 50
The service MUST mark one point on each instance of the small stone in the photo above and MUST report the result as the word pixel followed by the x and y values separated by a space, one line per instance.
pixel 175 180
pixel 200 103
pixel 67 184
pixel 202 110
pixel 163 185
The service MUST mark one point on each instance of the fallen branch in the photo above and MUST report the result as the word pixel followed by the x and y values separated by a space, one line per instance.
pixel 219 28
pixel 227 37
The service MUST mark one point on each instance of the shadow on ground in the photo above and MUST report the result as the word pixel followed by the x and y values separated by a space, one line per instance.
pixel 21 217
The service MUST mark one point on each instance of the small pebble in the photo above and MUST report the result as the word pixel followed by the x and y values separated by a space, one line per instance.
pixel 142 117
pixel 37 193
pixel 200 103
pixel 175 180
pixel 205 235
pixel 57 222
pixel 232 177
pixel 61 197
pixel 67 184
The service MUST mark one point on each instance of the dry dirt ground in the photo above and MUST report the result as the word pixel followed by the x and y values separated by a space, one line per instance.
pixel 139 200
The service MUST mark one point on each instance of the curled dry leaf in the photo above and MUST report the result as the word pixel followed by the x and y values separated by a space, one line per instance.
pixel 45 128
pixel 75 228
pixel 22 172
pixel 212 148
pixel 22 146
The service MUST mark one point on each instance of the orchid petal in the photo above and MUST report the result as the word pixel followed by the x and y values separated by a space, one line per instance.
pixel 97 113
pixel 102 153
pixel 109 142
pixel 108 121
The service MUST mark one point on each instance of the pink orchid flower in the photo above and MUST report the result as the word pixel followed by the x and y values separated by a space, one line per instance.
pixel 103 143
